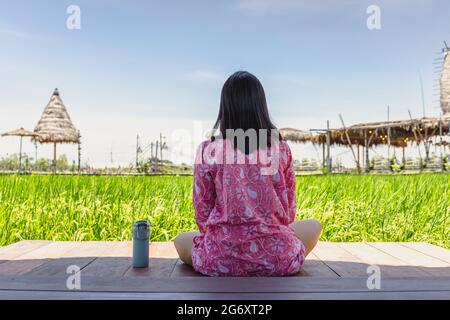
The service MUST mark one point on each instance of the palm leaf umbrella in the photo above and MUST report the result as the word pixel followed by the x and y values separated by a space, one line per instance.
pixel 21 133
pixel 55 125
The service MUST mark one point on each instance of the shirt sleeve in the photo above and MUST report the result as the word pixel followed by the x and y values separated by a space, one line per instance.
pixel 204 193
pixel 290 186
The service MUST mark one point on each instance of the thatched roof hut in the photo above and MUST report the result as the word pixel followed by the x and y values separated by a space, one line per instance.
pixel 55 125
pixel 398 133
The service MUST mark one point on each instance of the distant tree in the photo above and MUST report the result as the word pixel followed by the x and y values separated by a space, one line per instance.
pixel 42 164
pixel 10 162
pixel 62 163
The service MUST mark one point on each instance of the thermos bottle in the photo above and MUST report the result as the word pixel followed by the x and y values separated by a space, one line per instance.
pixel 141 235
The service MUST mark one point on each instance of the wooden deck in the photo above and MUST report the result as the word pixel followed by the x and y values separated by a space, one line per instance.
pixel 37 270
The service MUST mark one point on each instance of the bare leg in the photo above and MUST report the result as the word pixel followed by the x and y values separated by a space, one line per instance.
pixel 308 231
pixel 183 244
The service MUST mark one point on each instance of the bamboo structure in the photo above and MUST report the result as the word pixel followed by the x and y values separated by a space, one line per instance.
pixel 393 133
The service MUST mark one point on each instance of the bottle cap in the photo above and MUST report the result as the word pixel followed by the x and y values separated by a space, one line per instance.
pixel 141 230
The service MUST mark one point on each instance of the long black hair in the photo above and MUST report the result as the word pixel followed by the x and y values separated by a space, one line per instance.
pixel 243 106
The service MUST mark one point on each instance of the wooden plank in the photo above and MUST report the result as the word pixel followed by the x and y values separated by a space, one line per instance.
pixel 80 254
pixel 315 267
pixel 64 295
pixel 115 264
pixel 339 260
pixel 25 263
pixel 389 266
pixel 158 267
pixel 429 249
pixel 92 249
pixel 17 249
pixel 434 267
pixel 55 267
pixel 183 270
pixel 224 285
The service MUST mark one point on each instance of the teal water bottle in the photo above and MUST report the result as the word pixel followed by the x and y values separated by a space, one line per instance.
pixel 141 236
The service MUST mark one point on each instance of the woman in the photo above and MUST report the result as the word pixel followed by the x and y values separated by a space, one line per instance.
pixel 245 213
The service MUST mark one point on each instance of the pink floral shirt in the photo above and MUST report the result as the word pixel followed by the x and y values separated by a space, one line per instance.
pixel 244 216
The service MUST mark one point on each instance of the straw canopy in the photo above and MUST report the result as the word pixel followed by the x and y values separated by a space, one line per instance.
pixel 296 135
pixel 396 133
pixel 20 133
pixel 55 125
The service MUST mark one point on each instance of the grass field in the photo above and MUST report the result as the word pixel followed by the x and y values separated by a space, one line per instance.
pixel 351 207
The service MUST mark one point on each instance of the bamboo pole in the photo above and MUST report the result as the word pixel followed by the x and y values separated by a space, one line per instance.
pixel 358 153
pixel 330 170
pixel 417 141
pixel 137 152
pixel 323 157
pixel 54 157
pixel 403 156
pixel 363 154
pixel 20 156
pixel 427 145
pixel 35 152
pixel 441 157
pixel 350 144
pixel 156 152
pixel 389 135
pixel 372 135
pixel 366 146
pixel 79 151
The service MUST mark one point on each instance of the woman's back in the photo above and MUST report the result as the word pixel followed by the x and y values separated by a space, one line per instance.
pixel 243 213
pixel 244 193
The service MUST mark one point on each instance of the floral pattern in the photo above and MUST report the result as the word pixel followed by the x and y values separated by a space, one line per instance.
pixel 244 216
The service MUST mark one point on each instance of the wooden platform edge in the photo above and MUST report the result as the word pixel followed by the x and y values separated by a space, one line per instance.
pixel 224 285
pixel 373 295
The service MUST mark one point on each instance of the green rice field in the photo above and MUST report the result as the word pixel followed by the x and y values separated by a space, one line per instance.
pixel 350 207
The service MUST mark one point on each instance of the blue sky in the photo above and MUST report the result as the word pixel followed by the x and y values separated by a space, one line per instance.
pixel 144 67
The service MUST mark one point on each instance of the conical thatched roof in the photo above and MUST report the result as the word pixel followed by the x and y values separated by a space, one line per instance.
pixel 55 125
pixel 445 84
